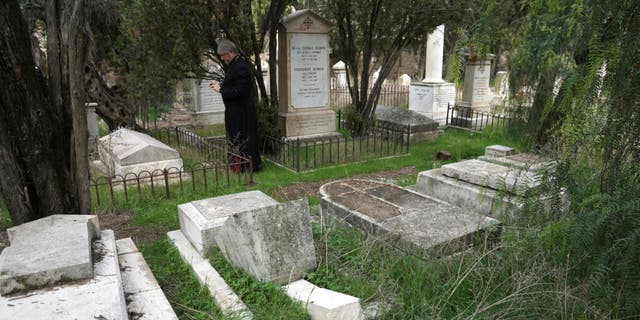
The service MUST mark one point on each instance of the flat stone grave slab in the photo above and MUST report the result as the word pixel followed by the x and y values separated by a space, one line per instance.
pixel 126 151
pixel 422 127
pixel 324 304
pixel 48 251
pixel 494 176
pixel 100 297
pixel 201 220
pixel 269 240
pixel 409 219
pixel 523 161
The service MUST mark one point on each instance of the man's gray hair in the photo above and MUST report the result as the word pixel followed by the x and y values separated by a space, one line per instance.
pixel 226 46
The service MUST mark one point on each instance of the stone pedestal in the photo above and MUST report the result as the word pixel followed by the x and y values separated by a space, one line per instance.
pixel 476 93
pixel 303 64
pixel 431 99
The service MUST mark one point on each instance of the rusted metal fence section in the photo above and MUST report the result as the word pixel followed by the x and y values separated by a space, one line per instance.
pixel 467 118
pixel 309 154
pixel 390 95
pixel 214 167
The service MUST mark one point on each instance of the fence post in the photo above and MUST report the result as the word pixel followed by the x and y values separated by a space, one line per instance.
pixel 166 181
pixel 408 129
pixel 298 154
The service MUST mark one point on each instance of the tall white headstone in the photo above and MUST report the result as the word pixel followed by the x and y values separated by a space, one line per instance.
pixel 432 95
pixel 434 56
pixel 303 76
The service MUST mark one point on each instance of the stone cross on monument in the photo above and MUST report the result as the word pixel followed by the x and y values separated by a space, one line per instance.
pixel 432 95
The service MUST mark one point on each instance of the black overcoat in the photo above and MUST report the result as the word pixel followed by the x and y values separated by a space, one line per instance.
pixel 240 116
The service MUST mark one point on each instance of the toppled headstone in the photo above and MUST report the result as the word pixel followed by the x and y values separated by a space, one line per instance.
pixel 201 220
pixel 407 219
pixel 126 151
pixel 269 240
pixel 324 304
pixel 47 251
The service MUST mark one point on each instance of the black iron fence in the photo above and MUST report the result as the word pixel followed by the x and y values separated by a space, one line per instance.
pixel 467 118
pixel 390 95
pixel 309 154
pixel 215 166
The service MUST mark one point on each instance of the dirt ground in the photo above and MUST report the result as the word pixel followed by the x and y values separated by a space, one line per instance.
pixel 119 222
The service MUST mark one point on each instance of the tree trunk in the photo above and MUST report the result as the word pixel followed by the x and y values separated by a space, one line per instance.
pixel 35 178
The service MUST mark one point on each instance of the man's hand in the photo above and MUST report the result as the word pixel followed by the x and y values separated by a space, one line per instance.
pixel 215 85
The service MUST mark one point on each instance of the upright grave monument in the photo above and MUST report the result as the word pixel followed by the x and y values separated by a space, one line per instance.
pixel 431 96
pixel 476 93
pixel 303 64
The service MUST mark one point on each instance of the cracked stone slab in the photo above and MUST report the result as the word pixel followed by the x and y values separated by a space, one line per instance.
pixel 494 176
pixel 405 218
pixel 48 251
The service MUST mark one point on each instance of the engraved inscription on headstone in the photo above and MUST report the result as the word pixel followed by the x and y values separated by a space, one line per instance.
pixel 309 70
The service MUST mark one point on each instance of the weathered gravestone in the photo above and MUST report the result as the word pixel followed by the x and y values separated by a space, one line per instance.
pixel 269 240
pixel 476 93
pixel 405 218
pixel 126 151
pixel 303 76
pixel 432 95
pixel 422 127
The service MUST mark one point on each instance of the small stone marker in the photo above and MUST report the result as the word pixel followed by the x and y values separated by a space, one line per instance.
pixel 324 304
pixel 269 240
pixel 497 150
pixel 48 251
pixel 126 151
pixel 406 218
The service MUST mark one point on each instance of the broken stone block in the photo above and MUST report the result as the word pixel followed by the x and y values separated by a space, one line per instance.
pixel 48 251
pixel 324 304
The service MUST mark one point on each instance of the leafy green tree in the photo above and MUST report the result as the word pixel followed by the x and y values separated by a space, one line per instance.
pixel 380 30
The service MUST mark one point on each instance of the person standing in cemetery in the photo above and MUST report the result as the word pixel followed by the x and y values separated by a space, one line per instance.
pixel 239 95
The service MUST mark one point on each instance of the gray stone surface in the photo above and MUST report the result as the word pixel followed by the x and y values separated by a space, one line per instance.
pixel 145 299
pixel 324 304
pixel 225 298
pixel 498 151
pixel 495 176
pixel 407 219
pixel 48 251
pixel 466 195
pixel 271 243
pixel 101 297
pixel 201 220
pixel 524 161
pixel 126 151
pixel 404 117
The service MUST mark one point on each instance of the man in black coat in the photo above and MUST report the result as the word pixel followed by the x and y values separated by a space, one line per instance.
pixel 238 93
